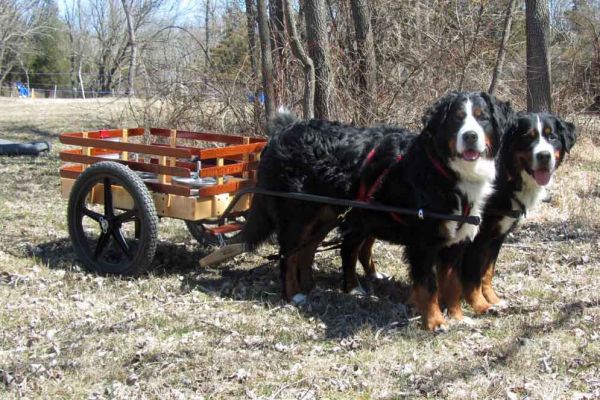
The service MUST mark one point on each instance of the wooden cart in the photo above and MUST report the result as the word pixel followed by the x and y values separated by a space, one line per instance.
pixel 120 181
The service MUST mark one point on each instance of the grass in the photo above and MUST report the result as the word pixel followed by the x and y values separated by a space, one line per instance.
pixel 181 332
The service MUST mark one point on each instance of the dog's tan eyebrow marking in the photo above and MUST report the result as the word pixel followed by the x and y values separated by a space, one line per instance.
pixel 547 130
pixel 461 113
pixel 477 112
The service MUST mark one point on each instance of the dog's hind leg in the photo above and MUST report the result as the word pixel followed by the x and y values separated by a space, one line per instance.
pixel 351 247
pixel 365 256
pixel 425 291
pixel 298 244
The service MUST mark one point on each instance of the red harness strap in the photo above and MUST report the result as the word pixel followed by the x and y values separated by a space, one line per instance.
pixel 366 193
pixel 438 166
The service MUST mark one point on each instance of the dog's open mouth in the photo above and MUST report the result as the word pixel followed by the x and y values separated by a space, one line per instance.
pixel 542 176
pixel 471 155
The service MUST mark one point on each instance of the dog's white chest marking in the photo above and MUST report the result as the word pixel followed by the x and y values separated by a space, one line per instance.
pixel 477 193
pixel 530 195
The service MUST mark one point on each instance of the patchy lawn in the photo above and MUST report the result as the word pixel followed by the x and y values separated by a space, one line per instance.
pixel 182 332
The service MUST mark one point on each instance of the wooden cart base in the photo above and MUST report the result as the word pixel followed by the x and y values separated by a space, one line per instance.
pixel 188 208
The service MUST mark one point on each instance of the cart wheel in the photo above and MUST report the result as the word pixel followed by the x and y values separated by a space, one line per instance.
pixel 106 239
pixel 203 237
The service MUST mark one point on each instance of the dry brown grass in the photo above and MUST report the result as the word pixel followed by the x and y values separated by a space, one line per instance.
pixel 181 332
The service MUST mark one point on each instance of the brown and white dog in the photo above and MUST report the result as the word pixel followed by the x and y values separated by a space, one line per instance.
pixel 532 150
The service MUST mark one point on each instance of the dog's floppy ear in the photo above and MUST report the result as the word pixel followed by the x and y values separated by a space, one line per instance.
pixel 437 113
pixel 567 133
pixel 502 113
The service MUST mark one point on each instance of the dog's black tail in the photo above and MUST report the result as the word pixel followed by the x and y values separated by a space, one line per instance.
pixel 281 120
pixel 259 224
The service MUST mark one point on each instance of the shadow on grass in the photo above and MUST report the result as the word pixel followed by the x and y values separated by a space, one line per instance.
pixel 169 259
pixel 342 314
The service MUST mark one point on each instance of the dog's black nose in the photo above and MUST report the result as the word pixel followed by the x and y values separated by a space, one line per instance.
pixel 543 157
pixel 470 137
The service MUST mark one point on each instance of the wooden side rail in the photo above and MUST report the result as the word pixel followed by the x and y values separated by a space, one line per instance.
pixel 108 133
pixel 76 156
pixel 221 152
pixel 205 136
pixel 77 140
pixel 72 171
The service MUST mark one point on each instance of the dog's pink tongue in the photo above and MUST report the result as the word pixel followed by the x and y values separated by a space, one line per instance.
pixel 542 176
pixel 470 155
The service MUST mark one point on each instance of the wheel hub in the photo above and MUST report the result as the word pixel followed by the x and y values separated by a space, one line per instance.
pixel 104 224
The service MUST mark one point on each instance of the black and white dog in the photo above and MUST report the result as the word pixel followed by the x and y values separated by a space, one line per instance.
pixel 448 168
pixel 532 150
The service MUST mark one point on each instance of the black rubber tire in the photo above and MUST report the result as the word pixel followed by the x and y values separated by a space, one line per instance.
pixel 138 252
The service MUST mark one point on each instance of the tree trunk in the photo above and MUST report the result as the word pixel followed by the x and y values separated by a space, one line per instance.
pixel 537 21
pixel 309 68
pixel 133 46
pixel 502 50
pixel 266 59
pixel 367 66
pixel 278 42
pixel 251 24
pixel 207 34
pixel 318 49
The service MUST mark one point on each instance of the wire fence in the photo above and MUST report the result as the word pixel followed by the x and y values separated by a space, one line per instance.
pixel 57 93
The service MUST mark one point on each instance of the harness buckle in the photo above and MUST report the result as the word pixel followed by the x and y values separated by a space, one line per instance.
pixel 420 214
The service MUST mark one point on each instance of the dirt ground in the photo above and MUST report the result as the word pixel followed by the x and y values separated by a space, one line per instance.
pixel 182 332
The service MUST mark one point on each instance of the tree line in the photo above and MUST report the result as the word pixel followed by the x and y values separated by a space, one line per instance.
pixel 231 63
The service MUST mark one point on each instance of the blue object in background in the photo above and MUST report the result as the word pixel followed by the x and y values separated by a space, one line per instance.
pixel 261 98
pixel 23 91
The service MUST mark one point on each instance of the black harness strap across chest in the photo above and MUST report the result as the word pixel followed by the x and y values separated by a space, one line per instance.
pixel 516 214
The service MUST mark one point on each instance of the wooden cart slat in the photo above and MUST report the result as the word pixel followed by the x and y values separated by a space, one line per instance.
pixel 77 157
pixel 230 150
pixel 228 169
pixel 72 171
pixel 108 133
pixel 132 147
pixel 205 136
pixel 220 152
pixel 228 187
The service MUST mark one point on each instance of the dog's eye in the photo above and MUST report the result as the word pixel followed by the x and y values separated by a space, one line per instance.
pixel 532 133
pixel 547 131
pixel 477 112
pixel 461 114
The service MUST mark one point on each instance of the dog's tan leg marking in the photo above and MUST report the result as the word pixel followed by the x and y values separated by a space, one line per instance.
pixel 365 256
pixel 474 297
pixel 450 291
pixel 428 306
pixel 486 285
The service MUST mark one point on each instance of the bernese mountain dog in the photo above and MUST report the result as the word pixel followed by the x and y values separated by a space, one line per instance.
pixel 448 167
pixel 532 150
